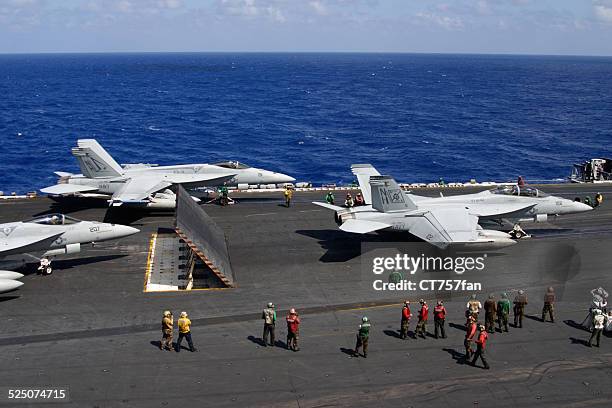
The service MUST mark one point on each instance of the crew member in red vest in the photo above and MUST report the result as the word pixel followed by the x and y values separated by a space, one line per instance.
pixel 421 325
pixel 439 318
pixel 480 347
pixel 469 337
pixel 406 315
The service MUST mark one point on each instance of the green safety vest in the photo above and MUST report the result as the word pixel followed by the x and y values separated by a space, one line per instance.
pixel 364 329
pixel 504 306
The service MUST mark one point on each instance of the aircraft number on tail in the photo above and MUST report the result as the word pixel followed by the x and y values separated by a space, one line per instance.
pixel 391 196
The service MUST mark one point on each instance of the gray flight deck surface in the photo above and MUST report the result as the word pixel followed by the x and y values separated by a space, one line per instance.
pixel 90 327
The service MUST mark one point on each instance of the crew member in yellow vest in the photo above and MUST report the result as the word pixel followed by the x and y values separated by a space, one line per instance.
pixel 184 325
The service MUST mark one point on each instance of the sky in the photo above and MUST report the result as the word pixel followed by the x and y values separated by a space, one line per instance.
pixel 560 27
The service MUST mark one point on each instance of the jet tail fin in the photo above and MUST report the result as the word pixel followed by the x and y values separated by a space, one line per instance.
pixel 94 160
pixel 388 196
pixel 363 172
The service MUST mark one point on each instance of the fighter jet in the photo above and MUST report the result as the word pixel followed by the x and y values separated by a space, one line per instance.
pixel 444 221
pixel 52 234
pixel 147 185
pixel 503 205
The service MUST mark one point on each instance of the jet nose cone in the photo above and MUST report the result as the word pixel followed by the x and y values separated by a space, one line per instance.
pixel 125 231
pixel 6 285
pixel 10 275
pixel 581 207
pixel 279 178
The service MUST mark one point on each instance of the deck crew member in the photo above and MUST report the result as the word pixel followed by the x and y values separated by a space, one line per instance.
pixel 520 301
pixel 599 320
pixel 45 266
pixel 363 337
pixel 406 315
pixel 517 232
pixel 549 302
pixel 473 307
pixel 503 310
pixel 329 198
pixel 469 337
pixel 422 323
pixel 349 201
pixel 481 343
pixel 439 319
pixel 167 329
pixel 359 200
pixel 293 330
pixel 288 196
pixel 269 317
pixel 184 324
pixel 490 308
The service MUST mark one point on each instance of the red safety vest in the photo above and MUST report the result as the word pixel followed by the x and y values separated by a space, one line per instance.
pixel 293 323
pixel 482 339
pixel 406 313
pixel 471 331
pixel 423 312
pixel 440 312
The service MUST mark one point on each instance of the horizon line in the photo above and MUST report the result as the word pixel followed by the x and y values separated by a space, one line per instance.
pixel 517 54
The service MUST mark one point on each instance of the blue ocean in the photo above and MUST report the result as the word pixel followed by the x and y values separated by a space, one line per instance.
pixel 415 116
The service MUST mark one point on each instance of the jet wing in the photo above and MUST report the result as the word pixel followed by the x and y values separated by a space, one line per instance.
pixel 25 244
pixel 328 206
pixel 362 226
pixel 137 189
pixel 498 210
pixel 215 179
pixel 443 226
pixel 61 189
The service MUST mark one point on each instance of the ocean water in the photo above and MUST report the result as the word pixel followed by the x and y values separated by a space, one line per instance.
pixel 416 117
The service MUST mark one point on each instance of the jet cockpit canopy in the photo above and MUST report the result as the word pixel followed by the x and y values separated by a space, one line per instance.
pixel 232 165
pixel 54 219
pixel 516 190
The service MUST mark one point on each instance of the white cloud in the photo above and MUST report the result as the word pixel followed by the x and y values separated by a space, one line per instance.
pixel 603 10
pixel 319 7
pixel 447 22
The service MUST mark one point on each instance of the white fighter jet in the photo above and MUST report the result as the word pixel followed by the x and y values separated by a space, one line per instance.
pixel 443 221
pixel 52 234
pixel 147 185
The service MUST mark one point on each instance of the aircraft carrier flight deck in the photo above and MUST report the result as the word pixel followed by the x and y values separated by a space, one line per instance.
pixel 91 327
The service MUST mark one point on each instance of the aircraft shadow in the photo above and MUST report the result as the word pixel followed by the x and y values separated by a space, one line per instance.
pixel 128 216
pixel 63 264
pixel 343 246
pixel 7 298
pixel 340 246
pixel 72 205
pixel 543 232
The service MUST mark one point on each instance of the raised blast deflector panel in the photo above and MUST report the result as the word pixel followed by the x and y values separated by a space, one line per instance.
pixel 203 235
